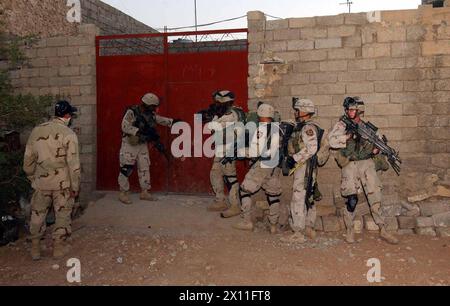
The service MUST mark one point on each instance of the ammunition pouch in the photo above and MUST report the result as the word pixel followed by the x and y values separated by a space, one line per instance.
pixel 352 201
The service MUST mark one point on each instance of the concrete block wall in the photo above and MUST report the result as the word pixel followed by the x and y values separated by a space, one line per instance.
pixel 397 61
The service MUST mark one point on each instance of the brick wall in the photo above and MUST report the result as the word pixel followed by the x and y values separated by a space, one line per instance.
pixel 397 61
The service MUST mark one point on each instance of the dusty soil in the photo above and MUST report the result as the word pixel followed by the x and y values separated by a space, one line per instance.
pixel 175 241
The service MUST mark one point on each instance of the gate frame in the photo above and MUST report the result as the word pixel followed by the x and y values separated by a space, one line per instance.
pixel 165 36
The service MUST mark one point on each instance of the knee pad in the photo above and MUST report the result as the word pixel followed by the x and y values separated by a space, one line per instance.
pixel 244 193
pixel 230 181
pixel 273 199
pixel 127 170
pixel 352 201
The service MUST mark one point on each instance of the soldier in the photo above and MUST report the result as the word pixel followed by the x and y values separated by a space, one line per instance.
pixel 263 174
pixel 303 145
pixel 52 164
pixel 355 157
pixel 138 128
pixel 222 175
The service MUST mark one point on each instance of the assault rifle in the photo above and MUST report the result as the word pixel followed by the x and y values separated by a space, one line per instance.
pixel 147 134
pixel 368 132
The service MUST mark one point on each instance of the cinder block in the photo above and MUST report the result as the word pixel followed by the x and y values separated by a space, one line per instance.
pixel 363 87
pixel 341 65
pixel 313 33
pixel 47 52
pixel 415 32
pixel 330 20
pixel 310 89
pixel 329 111
pixel 328 43
pixel 388 86
pixel 361 64
pixel 390 34
pixel 403 121
pixel 425 85
pixel 405 49
pixel 300 45
pixel 352 76
pixel 307 67
pixel 323 77
pixel 57 41
pixel 376 50
pixel 277 24
pixel 286 34
pixel 69 71
pixel 331 89
pixel 302 22
pixel 48 72
pixel 355 18
pixel 39 82
pixel 342 54
pixel 82 80
pixel 296 79
pixel 313 55
pixel 341 31
pixel 58 61
pixel 77 41
pixel 391 63
pixel 443 85
pixel 277 46
pixel 29 73
pixel 352 41
pixel 90 50
pixel 380 75
pixel 406 222
pixel 435 47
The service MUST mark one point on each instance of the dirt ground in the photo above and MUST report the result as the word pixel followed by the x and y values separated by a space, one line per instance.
pixel 175 241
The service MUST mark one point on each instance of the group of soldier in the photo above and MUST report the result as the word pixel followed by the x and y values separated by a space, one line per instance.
pixel 52 165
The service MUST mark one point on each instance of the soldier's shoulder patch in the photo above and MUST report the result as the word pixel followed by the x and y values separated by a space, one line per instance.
pixel 310 132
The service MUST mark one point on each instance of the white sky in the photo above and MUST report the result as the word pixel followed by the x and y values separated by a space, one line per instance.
pixel 178 13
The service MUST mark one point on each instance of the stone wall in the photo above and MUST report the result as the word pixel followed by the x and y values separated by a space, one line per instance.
pixel 110 20
pixel 397 61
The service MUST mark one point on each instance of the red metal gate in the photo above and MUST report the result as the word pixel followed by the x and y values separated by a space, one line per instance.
pixel 184 73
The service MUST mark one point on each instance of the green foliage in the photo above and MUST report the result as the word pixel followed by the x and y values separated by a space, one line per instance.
pixel 17 112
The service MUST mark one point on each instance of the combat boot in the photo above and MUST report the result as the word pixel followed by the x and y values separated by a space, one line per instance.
pixel 146 196
pixel 35 249
pixel 60 249
pixel 234 210
pixel 296 237
pixel 123 197
pixel 218 206
pixel 387 236
pixel 350 235
pixel 310 233
pixel 244 225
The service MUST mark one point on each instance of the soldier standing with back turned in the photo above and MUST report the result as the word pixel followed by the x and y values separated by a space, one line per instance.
pixel 52 164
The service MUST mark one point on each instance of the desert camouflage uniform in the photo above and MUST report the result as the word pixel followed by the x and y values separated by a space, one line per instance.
pixel 358 173
pixel 262 176
pixel 302 146
pixel 130 153
pixel 221 173
pixel 52 164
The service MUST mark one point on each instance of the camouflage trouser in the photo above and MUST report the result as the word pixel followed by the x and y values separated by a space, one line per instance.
pixel 300 215
pixel 224 174
pixel 129 155
pixel 267 179
pixel 361 176
pixel 41 203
